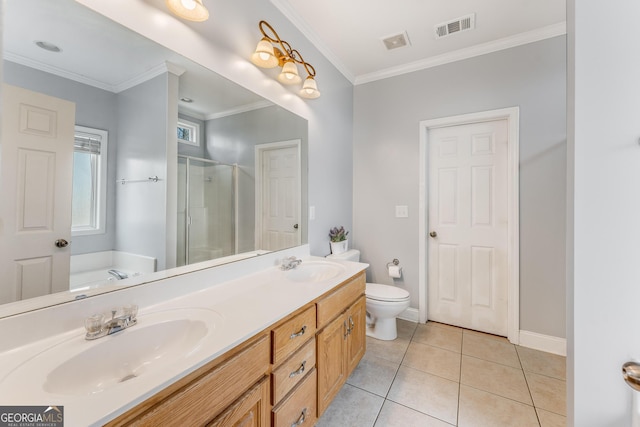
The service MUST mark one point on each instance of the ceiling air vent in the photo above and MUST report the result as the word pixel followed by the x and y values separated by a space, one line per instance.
pixel 457 25
pixel 396 41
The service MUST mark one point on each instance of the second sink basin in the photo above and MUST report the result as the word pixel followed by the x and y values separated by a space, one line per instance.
pixel 159 340
pixel 315 271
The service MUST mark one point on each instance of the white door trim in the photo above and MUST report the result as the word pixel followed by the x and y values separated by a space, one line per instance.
pixel 259 152
pixel 512 115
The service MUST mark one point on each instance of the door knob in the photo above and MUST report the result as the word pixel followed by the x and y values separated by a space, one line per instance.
pixel 295 226
pixel 433 234
pixel 61 243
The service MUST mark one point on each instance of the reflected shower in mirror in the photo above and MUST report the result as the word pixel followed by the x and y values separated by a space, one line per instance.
pixel 177 165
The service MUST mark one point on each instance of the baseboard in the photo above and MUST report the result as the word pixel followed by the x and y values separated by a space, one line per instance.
pixel 541 342
pixel 410 314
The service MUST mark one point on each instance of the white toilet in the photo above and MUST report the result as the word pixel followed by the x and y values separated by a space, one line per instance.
pixel 384 303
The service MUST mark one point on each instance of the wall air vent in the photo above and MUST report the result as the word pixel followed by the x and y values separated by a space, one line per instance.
pixel 457 25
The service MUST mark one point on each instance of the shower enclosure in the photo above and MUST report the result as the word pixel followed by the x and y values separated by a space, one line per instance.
pixel 206 210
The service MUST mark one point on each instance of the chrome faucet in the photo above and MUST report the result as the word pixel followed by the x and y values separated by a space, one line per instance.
pixel 121 319
pixel 119 275
pixel 290 263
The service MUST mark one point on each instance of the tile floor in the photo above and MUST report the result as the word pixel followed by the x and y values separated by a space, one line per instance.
pixel 437 375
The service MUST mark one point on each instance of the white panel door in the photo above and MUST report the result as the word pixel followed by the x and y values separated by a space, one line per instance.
pixel 35 182
pixel 468 226
pixel 280 198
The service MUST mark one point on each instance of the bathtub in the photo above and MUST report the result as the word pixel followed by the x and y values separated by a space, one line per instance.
pixel 91 270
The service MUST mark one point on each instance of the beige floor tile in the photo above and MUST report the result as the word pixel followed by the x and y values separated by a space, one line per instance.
pixel 433 360
pixel 490 349
pixel 444 326
pixel 426 393
pixel 543 363
pixel 389 350
pixel 549 419
pixel 394 415
pixel 481 409
pixel 406 328
pixel 498 379
pixel 487 336
pixel 548 393
pixel 352 407
pixel 447 338
pixel 374 374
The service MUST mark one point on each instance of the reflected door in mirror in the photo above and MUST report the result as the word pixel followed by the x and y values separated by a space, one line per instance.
pixel 37 156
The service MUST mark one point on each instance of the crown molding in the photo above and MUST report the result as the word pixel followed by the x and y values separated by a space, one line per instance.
pixel 27 62
pixel 166 67
pixel 241 109
pixel 461 54
pixel 289 12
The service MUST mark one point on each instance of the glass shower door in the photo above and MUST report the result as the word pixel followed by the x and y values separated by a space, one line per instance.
pixel 209 219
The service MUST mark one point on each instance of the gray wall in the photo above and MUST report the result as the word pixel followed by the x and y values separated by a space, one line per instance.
pixel 232 139
pixel 386 143
pixel 141 211
pixel 95 108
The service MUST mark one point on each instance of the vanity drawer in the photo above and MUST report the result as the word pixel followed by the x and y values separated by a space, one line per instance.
pixel 293 371
pixel 292 334
pixel 336 302
pixel 200 400
pixel 299 408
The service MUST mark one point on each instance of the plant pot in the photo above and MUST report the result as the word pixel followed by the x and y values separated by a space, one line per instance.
pixel 339 247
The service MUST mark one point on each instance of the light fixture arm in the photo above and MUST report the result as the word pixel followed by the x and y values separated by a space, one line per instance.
pixel 287 51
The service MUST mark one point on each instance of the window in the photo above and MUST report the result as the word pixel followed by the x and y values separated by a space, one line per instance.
pixel 89 181
pixel 188 132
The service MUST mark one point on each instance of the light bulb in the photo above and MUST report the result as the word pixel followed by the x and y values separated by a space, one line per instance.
pixel 264 56
pixel 188 4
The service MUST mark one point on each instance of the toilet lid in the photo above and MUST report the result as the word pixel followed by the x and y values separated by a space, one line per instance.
pixel 385 292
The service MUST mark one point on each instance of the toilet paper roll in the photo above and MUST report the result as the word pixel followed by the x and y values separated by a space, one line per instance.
pixel 395 271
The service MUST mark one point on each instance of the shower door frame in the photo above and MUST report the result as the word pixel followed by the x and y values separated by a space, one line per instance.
pixel 187 221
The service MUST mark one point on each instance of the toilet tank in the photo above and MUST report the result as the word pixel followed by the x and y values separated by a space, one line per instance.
pixel 350 255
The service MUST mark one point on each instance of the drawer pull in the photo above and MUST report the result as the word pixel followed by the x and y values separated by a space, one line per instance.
pixel 346 330
pixel 299 371
pixel 300 420
pixel 300 333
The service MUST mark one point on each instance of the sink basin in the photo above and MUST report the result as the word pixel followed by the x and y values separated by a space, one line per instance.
pixel 79 367
pixel 315 271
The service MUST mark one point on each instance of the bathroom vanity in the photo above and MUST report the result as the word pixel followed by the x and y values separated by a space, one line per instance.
pixel 271 348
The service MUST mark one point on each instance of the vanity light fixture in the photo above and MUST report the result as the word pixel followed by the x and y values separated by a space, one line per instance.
pixel 191 10
pixel 269 56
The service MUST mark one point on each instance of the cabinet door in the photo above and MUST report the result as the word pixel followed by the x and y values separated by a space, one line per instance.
pixel 250 410
pixel 356 343
pixel 331 362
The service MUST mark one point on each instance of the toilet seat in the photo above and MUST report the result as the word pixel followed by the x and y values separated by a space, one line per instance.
pixel 378 292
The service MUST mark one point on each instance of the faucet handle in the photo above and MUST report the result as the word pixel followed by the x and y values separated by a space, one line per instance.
pixel 130 311
pixel 94 324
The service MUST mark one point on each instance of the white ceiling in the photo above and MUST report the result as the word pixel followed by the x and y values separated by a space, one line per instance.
pixel 350 32
pixel 98 52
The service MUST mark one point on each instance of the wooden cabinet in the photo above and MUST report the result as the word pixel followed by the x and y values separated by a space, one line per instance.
pixel 286 375
pixel 299 407
pixel 198 398
pixel 250 410
pixel 342 342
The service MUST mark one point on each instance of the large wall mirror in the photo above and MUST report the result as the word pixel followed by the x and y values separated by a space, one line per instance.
pixel 121 159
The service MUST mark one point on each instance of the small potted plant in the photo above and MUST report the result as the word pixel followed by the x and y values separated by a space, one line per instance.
pixel 339 242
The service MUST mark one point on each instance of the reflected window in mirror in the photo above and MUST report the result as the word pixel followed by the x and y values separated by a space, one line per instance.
pixel 89 181
pixel 188 132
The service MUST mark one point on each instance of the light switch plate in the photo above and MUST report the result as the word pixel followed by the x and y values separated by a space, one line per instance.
pixel 402 211
pixel 312 213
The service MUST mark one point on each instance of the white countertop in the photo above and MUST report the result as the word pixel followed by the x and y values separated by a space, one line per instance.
pixel 244 306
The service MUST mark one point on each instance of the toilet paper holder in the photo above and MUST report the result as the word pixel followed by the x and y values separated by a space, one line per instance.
pixel 394 262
